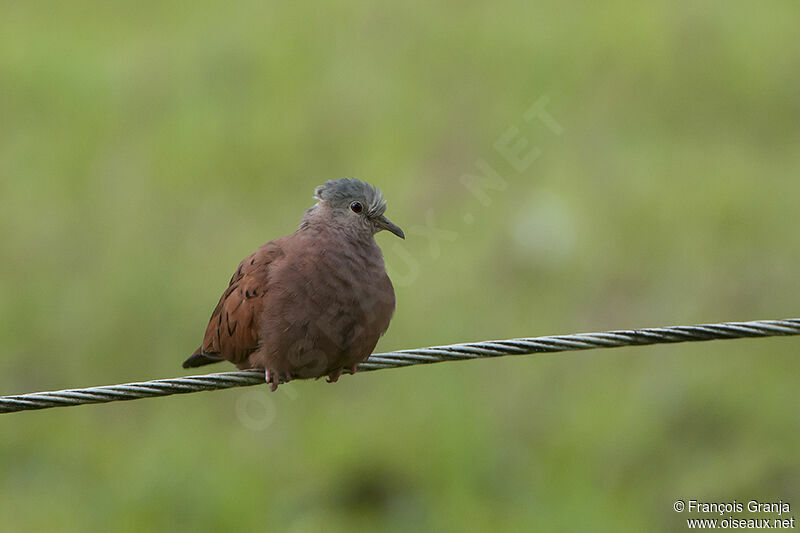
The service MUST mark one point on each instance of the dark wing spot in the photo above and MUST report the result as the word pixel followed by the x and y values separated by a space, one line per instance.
pixel 228 320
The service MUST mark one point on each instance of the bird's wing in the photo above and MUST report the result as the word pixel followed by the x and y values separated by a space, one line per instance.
pixel 232 332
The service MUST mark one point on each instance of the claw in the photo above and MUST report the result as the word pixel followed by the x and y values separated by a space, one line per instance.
pixel 333 377
pixel 353 369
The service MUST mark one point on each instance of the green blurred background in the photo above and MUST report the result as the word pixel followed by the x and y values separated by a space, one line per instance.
pixel 145 148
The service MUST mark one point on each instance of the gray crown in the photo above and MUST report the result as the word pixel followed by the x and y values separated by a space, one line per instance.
pixel 344 191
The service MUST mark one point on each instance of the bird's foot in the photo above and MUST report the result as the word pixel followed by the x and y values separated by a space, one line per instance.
pixel 333 377
pixel 276 378
pixel 272 379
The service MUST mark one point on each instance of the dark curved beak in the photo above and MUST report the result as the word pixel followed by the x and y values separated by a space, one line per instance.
pixel 384 223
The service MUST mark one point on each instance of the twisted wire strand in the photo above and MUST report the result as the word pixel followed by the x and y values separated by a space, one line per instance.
pixel 433 354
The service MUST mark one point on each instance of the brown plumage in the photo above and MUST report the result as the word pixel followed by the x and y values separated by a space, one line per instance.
pixel 313 303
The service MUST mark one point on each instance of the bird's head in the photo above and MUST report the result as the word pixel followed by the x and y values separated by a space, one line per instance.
pixel 355 205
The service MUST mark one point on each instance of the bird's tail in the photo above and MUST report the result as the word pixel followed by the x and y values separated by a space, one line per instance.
pixel 200 358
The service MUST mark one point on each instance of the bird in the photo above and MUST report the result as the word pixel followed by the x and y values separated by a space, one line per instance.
pixel 313 303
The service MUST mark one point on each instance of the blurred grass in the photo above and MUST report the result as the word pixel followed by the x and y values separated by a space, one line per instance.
pixel 144 149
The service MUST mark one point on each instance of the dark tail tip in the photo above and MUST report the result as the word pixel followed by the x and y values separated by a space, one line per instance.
pixel 199 358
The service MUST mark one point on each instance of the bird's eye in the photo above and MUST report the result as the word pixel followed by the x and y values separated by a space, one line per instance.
pixel 356 207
